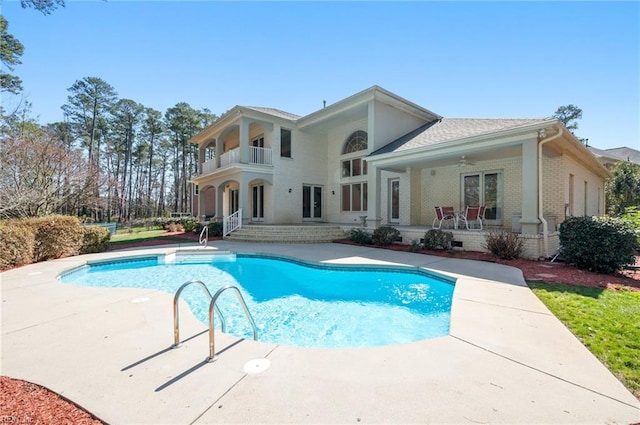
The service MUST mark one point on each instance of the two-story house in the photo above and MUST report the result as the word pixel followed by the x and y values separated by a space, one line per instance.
pixel 380 156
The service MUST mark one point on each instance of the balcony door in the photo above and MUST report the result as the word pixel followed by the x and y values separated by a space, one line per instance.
pixel 311 203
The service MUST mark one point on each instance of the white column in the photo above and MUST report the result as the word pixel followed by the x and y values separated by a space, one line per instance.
pixel 244 142
pixel 244 198
pixel 220 201
pixel 373 196
pixel 529 220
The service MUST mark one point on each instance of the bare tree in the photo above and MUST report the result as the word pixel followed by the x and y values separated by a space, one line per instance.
pixel 39 175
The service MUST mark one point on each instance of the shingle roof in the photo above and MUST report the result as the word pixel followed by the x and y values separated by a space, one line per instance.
pixel 446 129
pixel 625 154
pixel 274 112
pixel 621 154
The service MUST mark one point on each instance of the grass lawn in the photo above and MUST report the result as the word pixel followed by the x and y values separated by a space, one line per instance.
pixel 607 322
pixel 143 236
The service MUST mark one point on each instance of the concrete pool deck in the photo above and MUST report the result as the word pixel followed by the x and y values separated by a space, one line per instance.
pixel 507 358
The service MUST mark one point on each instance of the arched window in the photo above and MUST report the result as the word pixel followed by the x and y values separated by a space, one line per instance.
pixel 354 171
pixel 356 142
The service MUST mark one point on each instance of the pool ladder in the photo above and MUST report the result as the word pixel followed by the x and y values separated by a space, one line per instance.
pixel 212 307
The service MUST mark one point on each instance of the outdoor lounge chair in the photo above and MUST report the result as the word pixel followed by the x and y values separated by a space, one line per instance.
pixel 472 215
pixel 444 214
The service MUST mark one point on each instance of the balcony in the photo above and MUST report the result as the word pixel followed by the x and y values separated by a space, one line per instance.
pixel 257 156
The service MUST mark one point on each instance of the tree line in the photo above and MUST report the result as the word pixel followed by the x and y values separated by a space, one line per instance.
pixel 116 159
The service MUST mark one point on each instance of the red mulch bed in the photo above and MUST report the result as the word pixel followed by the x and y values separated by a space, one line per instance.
pixel 24 402
pixel 543 270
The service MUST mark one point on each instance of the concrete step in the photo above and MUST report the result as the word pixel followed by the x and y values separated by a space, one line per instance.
pixel 294 234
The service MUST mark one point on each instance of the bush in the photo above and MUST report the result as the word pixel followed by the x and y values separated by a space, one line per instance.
pixel 631 216
pixel 95 239
pixel 56 236
pixel 503 244
pixel 385 235
pixel 360 236
pixel 215 228
pixel 438 239
pixel 599 244
pixel 190 225
pixel 174 227
pixel 16 244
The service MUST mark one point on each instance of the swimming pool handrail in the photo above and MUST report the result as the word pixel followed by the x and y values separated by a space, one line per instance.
pixel 176 313
pixel 212 305
pixel 204 236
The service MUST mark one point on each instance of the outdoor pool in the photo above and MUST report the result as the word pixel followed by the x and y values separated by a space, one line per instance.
pixel 294 302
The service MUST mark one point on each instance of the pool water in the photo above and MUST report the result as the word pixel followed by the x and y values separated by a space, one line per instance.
pixel 295 303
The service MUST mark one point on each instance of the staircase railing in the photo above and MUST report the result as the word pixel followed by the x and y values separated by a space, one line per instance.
pixel 232 222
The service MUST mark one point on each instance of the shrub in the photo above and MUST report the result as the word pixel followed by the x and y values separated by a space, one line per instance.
pixel 600 244
pixel 190 225
pixel 503 244
pixel 215 228
pixel 438 239
pixel 631 216
pixel 174 227
pixel 16 244
pixel 385 235
pixel 360 236
pixel 415 245
pixel 95 239
pixel 56 236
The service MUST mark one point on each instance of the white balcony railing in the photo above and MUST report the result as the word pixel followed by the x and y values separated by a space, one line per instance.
pixel 209 166
pixel 231 157
pixel 259 156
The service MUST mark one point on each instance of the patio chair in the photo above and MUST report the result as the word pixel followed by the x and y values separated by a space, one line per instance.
pixel 444 214
pixel 472 216
pixel 483 221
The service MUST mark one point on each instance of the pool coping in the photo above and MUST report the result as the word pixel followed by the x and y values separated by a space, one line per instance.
pixel 507 358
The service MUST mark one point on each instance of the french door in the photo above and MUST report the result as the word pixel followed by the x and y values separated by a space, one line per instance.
pixel 311 202
pixel 257 202
pixel 234 201
pixel 486 189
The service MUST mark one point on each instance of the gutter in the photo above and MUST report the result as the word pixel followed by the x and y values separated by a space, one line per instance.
pixel 545 225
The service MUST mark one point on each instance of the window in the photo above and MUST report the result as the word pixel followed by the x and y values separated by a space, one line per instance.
pixel 354 193
pixel 285 143
pixel 356 142
pixel 196 189
pixel 354 197
pixel 354 167
pixel 484 189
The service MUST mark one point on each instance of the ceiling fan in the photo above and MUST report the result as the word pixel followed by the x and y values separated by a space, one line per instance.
pixel 464 162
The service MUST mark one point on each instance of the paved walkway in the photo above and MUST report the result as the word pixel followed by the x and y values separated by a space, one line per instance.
pixel 507 359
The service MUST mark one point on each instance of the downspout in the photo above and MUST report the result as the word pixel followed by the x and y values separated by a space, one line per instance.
pixel 545 225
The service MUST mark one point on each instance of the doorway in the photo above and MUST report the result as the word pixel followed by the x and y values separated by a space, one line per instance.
pixel 257 202
pixel 311 203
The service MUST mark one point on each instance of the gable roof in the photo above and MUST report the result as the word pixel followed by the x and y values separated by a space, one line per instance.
pixel 447 129
pixel 274 112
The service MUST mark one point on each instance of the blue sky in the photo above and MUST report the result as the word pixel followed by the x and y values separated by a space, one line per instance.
pixel 458 59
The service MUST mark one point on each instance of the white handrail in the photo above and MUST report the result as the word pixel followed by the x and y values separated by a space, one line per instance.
pixel 204 236
pixel 232 222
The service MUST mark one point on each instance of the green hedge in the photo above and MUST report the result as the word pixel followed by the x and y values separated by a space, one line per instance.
pixel 600 244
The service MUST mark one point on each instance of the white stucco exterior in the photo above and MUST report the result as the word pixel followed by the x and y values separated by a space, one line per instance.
pixel 409 148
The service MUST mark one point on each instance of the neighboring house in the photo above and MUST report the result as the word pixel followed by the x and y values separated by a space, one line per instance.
pixel 378 155
pixel 610 157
